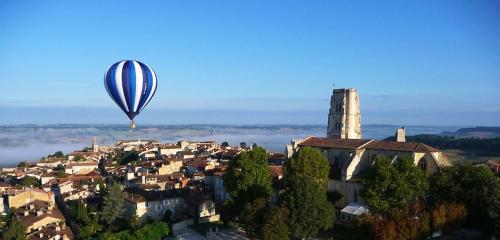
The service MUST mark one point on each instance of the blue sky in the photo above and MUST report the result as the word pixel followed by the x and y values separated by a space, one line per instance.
pixel 413 62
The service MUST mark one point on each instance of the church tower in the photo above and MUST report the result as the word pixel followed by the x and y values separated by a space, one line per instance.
pixel 344 118
pixel 95 147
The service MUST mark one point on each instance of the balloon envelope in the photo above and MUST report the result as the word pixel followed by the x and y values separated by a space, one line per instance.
pixel 131 84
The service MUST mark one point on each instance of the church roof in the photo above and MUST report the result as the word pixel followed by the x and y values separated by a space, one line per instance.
pixel 401 146
pixel 368 144
pixel 334 142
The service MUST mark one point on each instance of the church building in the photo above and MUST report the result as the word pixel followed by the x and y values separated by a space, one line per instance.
pixel 349 155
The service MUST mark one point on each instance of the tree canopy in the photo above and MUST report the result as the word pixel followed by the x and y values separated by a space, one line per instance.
pixel 114 204
pixel 248 177
pixel 29 181
pixel 123 157
pixel 387 186
pixel 308 162
pixel 477 187
pixel 275 225
pixel 309 208
pixel 15 231
pixel 58 154
pixel 151 231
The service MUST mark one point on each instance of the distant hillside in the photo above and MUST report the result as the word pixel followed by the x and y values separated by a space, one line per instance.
pixel 461 149
pixel 476 132
pixel 489 145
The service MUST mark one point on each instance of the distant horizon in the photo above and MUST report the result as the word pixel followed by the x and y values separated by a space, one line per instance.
pixel 31 142
pixel 164 116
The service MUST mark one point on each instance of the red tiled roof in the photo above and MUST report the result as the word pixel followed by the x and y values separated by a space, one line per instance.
pixel 401 146
pixel 276 171
pixel 334 143
pixel 369 144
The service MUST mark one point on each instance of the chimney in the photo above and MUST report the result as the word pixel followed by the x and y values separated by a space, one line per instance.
pixel 401 135
pixel 41 235
pixel 39 213
pixel 58 229
pixel 26 213
pixel 143 179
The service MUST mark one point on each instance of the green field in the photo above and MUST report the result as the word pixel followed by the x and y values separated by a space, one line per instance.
pixel 469 156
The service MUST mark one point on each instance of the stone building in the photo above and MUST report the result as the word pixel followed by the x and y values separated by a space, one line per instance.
pixel 344 118
pixel 349 155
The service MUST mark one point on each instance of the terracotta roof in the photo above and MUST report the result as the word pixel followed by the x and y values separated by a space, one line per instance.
pixel 135 194
pixel 276 171
pixel 401 146
pixel 495 163
pixel 369 144
pixel 51 160
pixel 334 143
pixel 198 163
pixel 81 164
pixel 50 231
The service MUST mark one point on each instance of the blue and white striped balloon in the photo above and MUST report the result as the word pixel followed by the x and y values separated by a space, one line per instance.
pixel 131 84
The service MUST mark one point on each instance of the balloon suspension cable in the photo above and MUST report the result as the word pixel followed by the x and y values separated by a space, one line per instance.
pixel 132 124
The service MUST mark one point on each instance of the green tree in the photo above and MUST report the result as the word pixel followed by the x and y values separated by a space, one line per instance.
pixel 15 231
pixel 80 213
pixel 58 154
pixel 476 187
pixel 308 162
pixel 28 181
pixel 275 226
pixel 153 231
pixel 248 178
pixel 388 186
pixel 253 215
pixel 78 158
pixel 309 208
pixel 124 158
pixel 113 205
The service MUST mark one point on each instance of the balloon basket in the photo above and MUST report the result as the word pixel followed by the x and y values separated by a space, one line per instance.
pixel 132 125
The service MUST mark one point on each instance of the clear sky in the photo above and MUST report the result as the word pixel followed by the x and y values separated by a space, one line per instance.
pixel 413 62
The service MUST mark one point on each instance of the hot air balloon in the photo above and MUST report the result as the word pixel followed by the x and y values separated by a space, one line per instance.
pixel 131 84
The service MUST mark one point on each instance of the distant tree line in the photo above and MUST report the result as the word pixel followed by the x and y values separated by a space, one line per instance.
pixel 488 145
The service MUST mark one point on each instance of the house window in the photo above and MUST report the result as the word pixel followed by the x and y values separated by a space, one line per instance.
pixel 147 204
pixel 158 207
pixel 355 195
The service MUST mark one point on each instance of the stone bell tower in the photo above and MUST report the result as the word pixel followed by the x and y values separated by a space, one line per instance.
pixel 344 118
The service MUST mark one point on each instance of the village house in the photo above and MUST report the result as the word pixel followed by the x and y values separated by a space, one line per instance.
pixel 18 198
pixel 200 165
pixel 151 204
pixel 169 166
pixel 80 168
pixel 50 162
pixel 39 217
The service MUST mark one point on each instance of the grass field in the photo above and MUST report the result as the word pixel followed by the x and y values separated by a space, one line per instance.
pixel 462 157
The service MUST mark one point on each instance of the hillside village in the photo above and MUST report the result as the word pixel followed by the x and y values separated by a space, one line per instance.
pixel 184 178
pixel 183 181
